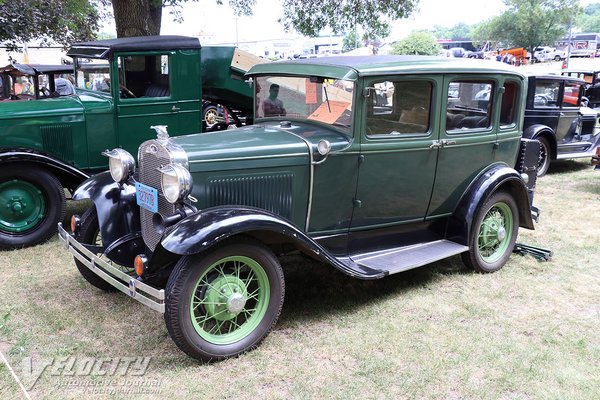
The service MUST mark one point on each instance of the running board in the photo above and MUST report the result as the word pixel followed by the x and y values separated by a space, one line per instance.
pixel 392 261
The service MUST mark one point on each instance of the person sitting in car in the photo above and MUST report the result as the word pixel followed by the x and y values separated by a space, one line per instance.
pixel 272 105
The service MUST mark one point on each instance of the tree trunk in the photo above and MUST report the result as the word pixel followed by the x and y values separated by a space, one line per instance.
pixel 137 17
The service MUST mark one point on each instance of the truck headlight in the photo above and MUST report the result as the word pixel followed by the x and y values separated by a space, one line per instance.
pixel 121 164
pixel 176 182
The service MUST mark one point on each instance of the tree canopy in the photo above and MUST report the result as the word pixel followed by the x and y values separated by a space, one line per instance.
pixel 528 23
pixel 589 20
pixel 417 43
pixel 63 21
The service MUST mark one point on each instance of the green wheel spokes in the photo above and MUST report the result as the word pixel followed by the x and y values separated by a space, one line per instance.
pixel 495 232
pixel 229 300
pixel 22 206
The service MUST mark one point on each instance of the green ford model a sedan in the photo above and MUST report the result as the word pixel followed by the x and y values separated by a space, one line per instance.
pixel 122 87
pixel 374 165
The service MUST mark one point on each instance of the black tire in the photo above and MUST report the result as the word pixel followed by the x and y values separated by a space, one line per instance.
pixel 557 58
pixel 211 115
pixel 89 233
pixel 35 192
pixel 197 279
pixel 477 257
pixel 545 156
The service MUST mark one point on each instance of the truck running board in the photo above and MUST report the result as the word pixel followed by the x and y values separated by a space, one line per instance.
pixel 392 261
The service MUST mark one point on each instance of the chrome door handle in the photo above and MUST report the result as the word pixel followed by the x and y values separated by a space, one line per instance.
pixel 435 144
pixel 175 109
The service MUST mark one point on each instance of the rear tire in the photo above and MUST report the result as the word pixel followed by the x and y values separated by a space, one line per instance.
pixel 493 234
pixel 224 302
pixel 545 156
pixel 32 203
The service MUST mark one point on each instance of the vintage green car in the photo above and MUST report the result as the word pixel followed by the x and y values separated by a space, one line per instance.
pixel 374 165
pixel 122 87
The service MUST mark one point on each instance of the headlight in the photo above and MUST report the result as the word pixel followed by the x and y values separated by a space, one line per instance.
pixel 120 163
pixel 176 182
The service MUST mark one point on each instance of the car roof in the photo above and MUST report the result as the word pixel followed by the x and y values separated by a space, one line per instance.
pixel 106 48
pixel 351 67
pixel 555 77
pixel 36 69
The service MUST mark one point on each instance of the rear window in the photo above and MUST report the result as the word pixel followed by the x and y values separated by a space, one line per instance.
pixel 469 105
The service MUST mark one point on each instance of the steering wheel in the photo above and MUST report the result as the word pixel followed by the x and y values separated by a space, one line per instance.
pixel 44 92
pixel 127 92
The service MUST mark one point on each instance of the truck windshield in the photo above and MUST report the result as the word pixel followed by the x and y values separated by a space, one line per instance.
pixel 318 99
pixel 92 75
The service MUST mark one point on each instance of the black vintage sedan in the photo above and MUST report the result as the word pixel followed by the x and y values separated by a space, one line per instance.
pixel 554 115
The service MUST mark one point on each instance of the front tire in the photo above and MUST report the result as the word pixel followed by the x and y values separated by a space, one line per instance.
pixel 32 203
pixel 492 238
pixel 224 302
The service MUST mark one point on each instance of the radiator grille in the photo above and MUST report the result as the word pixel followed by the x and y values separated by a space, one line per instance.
pixel 58 140
pixel 270 192
pixel 151 157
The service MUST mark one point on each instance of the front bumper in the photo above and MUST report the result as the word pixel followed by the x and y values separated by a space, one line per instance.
pixel 145 294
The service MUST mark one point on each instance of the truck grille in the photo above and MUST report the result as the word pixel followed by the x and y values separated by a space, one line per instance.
pixel 152 156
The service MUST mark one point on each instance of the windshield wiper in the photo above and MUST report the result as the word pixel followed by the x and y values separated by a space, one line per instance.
pixel 326 98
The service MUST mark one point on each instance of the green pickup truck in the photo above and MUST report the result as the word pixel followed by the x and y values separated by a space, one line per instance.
pixel 373 165
pixel 123 86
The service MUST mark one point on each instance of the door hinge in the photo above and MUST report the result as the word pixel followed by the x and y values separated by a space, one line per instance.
pixel 357 203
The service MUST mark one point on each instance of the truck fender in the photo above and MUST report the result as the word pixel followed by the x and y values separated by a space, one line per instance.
pixel 118 212
pixel 209 227
pixel 537 130
pixel 496 177
pixel 68 175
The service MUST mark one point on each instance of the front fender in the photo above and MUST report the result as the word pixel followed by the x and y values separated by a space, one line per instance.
pixel 209 227
pixel 497 177
pixel 118 212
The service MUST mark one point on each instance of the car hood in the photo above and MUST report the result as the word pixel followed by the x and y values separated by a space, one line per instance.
pixel 262 145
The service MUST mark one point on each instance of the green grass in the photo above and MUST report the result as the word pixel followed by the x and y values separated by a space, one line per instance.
pixel 529 331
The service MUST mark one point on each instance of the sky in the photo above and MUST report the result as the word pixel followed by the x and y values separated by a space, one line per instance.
pixel 218 23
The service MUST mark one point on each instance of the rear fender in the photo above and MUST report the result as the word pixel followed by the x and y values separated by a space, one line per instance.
pixel 118 212
pixel 537 131
pixel 497 177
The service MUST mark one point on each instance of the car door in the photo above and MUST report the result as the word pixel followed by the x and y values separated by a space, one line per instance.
pixel 467 138
pixel 145 98
pixel 397 161
pixel 569 121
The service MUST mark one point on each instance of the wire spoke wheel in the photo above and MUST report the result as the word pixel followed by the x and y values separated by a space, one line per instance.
pixel 493 239
pixel 225 301
pixel 229 300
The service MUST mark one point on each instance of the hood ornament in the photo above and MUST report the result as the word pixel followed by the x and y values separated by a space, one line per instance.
pixel 161 133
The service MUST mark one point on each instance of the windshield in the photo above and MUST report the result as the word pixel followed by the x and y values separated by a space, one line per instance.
pixel 92 74
pixel 324 100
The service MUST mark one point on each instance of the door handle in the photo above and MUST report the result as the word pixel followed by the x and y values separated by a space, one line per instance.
pixel 436 144
pixel 175 109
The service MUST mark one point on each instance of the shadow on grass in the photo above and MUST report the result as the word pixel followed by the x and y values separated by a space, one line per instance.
pixel 565 166
pixel 314 289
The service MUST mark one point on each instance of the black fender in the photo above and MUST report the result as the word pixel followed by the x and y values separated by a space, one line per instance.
pixel 118 216
pixel 538 130
pixel 211 226
pixel 497 177
pixel 69 176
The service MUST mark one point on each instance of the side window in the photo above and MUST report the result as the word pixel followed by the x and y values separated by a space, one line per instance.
pixel 144 76
pixel 546 94
pixel 571 95
pixel 399 107
pixel 469 105
pixel 510 100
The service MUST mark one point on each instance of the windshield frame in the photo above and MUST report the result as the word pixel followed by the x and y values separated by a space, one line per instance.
pixel 330 90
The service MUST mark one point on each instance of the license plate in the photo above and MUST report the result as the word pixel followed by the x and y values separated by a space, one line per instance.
pixel 146 197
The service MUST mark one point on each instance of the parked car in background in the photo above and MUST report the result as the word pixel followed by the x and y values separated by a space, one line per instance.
pixel 35 81
pixel 596 159
pixel 592 84
pixel 554 116
pixel 545 53
pixel 122 87
pixel 372 165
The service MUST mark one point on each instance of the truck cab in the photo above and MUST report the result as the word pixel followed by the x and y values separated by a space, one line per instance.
pixel 122 87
